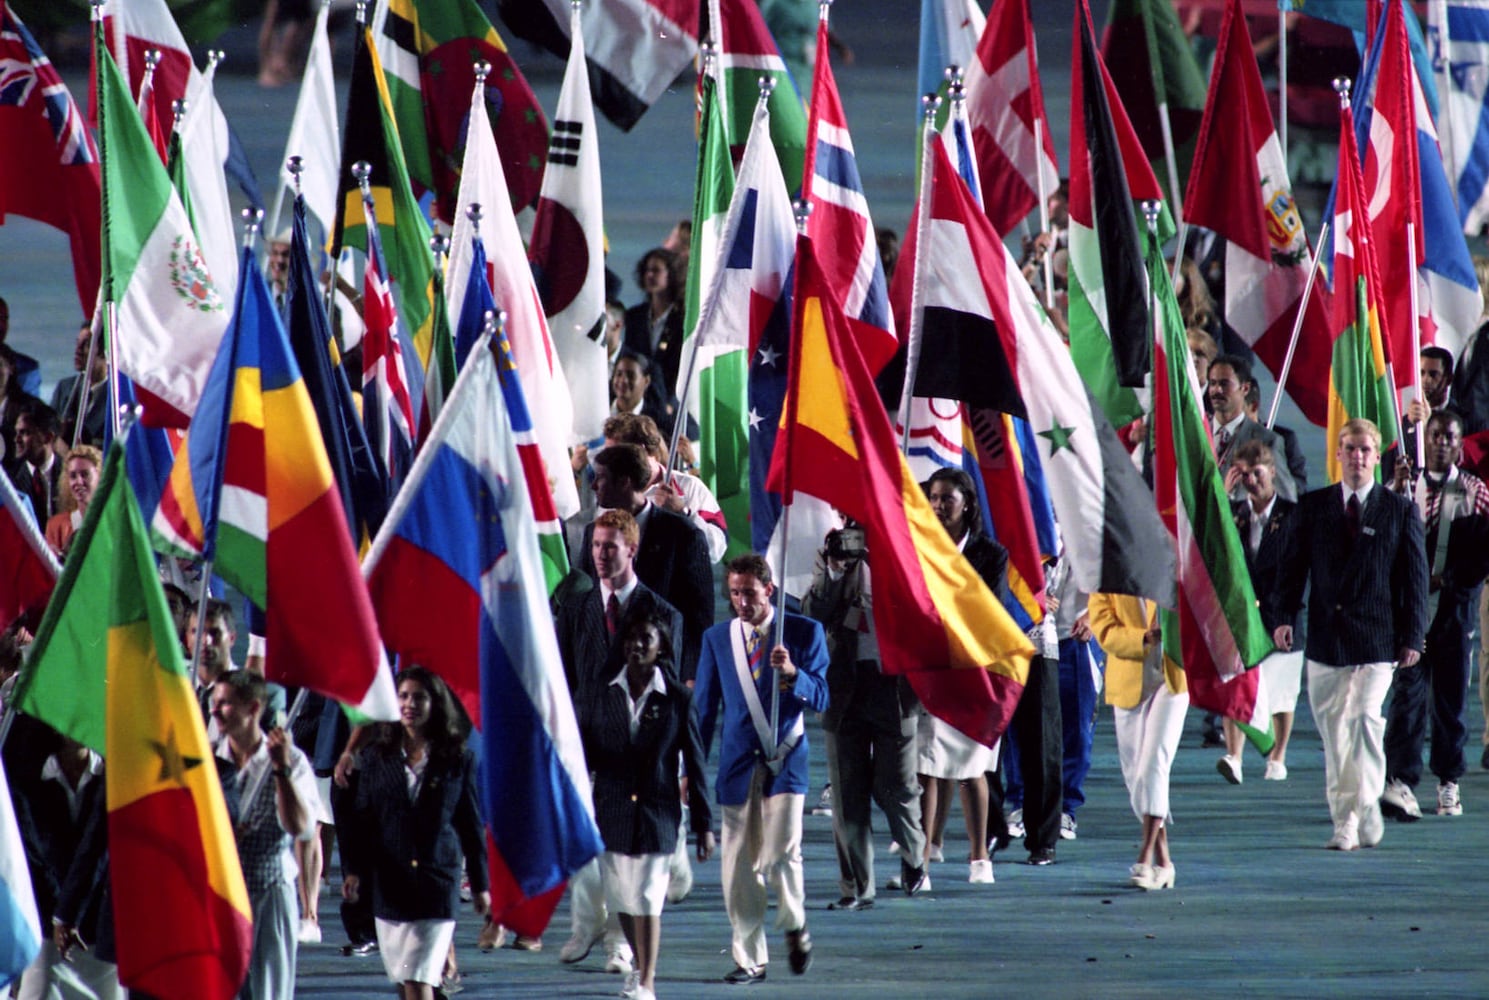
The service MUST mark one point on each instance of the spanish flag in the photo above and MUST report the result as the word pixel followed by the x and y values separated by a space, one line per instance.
pixel 936 621
pixel 107 669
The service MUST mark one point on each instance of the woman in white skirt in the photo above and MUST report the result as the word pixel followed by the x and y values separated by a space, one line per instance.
pixel 634 730
pixel 408 815
pixel 946 755
pixel 1148 692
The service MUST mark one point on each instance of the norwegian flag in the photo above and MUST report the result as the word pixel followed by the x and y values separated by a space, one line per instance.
pixel 1004 102
pixel 387 407
pixel 49 171
pixel 839 225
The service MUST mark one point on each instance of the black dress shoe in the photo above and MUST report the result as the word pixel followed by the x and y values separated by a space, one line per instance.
pixel 1042 856
pixel 851 903
pixel 913 880
pixel 359 949
pixel 799 944
pixel 746 977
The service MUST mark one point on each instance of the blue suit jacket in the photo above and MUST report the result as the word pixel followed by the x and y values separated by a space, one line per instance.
pixel 739 746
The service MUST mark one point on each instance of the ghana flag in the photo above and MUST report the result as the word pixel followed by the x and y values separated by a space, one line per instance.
pixel 107 661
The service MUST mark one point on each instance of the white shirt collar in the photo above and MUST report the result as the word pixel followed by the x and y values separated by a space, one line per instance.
pixel 1363 492
pixel 52 769
pixel 764 627
pixel 623 594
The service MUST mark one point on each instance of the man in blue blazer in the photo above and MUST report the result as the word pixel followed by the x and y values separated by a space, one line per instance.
pixel 1361 547
pixel 762 781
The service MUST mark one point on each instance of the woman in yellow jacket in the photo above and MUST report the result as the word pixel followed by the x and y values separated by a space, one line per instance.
pixel 1148 692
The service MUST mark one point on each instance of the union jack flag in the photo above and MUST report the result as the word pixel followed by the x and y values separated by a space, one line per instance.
pixel 387 406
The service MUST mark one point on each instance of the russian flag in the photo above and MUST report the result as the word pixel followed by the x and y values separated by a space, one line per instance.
pixel 460 549
pixel 20 927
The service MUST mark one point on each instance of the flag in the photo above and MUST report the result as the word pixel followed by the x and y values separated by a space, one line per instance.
pixel 439 377
pixel 746 53
pixel 1151 62
pixel 355 469
pixel 996 347
pixel 460 547
pixel 203 148
pixel 1359 381
pixel 50 169
pixel 1108 173
pixel 1219 637
pixel 149 452
pixel 839 224
pixel 371 136
pixel 134 27
pixel 568 246
pixel 428 49
pixel 949 33
pixel 106 670
pixel 637 47
pixel 1004 101
pixel 478 307
pixel 935 619
pixel 170 316
pixel 252 492
pixel 1459 35
pixel 387 402
pixel 20 925
pixel 1239 189
pixel 543 383
pixel 1356 16
pixel 28 569
pixel 315 135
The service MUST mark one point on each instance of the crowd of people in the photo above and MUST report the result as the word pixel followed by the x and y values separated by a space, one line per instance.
pixel 1389 564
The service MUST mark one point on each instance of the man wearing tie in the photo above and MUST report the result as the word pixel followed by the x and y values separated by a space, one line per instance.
pixel 1362 549
pixel 762 779
pixel 37 471
pixel 1230 427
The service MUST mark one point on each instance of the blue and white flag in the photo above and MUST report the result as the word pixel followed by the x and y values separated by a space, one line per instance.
pixel 1458 39
pixel 20 926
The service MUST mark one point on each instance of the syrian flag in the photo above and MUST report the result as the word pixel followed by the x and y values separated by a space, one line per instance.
pixel 483 182
pixel 996 348
pixel 568 245
pixel 1238 188
pixel 1216 631
pixel 1004 101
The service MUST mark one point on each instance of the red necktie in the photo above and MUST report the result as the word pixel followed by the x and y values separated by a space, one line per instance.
pixel 612 615
pixel 1352 515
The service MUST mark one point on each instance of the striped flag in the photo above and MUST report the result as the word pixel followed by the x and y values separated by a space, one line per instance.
pixel 315 136
pixel 482 182
pixel 20 925
pixel 204 144
pixel 1359 380
pixel 252 491
pixel 387 408
pixel 460 547
pixel 568 246
pixel 106 670
pixel 1216 632
pixel 428 50
pixel 1459 34
pixel 747 52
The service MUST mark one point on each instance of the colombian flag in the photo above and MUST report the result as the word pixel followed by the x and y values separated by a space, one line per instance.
pixel 107 670
pixel 252 490
pixel 937 622
pixel 1359 385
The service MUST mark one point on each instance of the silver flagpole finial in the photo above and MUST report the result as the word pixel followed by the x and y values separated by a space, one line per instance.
pixel 152 60
pixel 929 105
pixel 1341 87
pixel 802 209
pixel 474 214
pixel 767 87
pixel 179 108
pixel 362 174
pixel 482 69
pixel 215 56
pixel 253 219
pixel 1151 207
pixel 296 166
pixel 97 12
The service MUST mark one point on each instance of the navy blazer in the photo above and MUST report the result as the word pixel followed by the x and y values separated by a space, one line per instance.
pixel 1369 596
pixel 591 657
pixel 1265 564
pixel 672 560
pixel 50 835
pixel 637 802
pixel 739 746
pixel 410 851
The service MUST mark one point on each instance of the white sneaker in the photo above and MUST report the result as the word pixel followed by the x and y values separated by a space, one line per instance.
pixel 632 988
pixel 981 872
pixel 310 931
pixel 618 963
pixel 1397 800
pixel 1448 803
pixel 1016 823
pixel 936 853
pixel 1067 826
pixel 1229 768
pixel 577 947
pixel 1276 771
pixel 894 847
pixel 1346 837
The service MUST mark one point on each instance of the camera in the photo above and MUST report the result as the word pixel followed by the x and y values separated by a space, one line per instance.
pixel 846 544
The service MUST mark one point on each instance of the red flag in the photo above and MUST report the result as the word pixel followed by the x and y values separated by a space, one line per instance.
pixel 28 570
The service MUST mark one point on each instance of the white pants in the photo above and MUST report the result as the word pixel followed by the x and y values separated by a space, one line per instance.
pixel 1346 704
pixel 588 913
pixel 1147 739
pixel 762 842
pixel 82 977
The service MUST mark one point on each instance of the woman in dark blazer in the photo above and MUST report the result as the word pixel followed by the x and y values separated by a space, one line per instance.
pixel 409 814
pixel 634 730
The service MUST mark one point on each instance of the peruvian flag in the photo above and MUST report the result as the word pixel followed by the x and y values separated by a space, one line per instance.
pixel 1004 102
pixel 1238 188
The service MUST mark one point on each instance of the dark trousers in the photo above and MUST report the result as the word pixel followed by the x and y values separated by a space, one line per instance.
pixel 869 762
pixel 1032 756
pixel 1077 718
pixel 1434 692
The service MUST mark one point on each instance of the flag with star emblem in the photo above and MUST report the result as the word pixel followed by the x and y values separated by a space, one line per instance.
pixel 996 348
pixel 429 48
pixel 106 669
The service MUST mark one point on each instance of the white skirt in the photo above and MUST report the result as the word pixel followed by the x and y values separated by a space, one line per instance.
pixel 945 752
pixel 636 883
pixel 414 951
pixel 1282 677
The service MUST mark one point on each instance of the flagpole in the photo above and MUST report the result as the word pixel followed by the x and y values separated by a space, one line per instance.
pixel 1416 342
pixel 1292 343
pixel 1168 151
pixel 84 392
pixel 929 103
pixel 1044 214
pixel 1283 6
